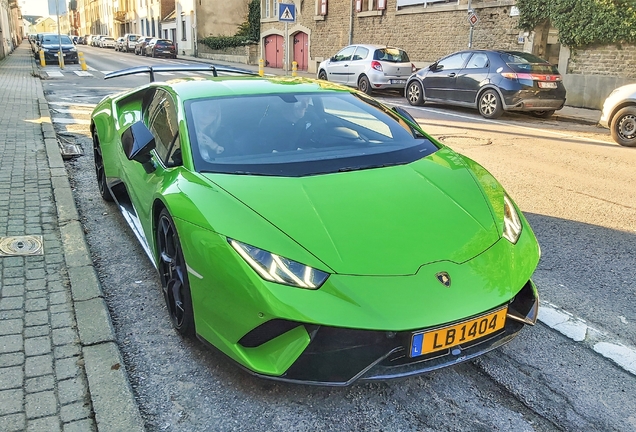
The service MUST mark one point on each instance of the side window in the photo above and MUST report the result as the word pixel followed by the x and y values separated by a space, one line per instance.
pixel 361 53
pixel 345 54
pixel 163 123
pixel 477 61
pixel 455 61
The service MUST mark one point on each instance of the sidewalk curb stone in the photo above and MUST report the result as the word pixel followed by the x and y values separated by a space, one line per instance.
pixel 111 395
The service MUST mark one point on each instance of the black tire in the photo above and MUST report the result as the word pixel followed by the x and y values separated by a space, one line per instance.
pixel 322 75
pixel 174 275
pixel 623 127
pixel 364 85
pixel 99 170
pixel 542 114
pixel 414 93
pixel 489 105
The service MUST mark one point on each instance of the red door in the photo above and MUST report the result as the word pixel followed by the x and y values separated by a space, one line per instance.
pixel 274 53
pixel 300 50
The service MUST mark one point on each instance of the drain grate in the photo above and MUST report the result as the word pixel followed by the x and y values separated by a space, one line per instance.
pixel 21 246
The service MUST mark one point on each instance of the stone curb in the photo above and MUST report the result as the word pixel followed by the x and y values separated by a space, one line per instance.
pixel 110 391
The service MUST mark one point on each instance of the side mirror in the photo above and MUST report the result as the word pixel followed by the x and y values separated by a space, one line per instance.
pixel 138 142
pixel 404 113
pixel 433 67
pixel 333 59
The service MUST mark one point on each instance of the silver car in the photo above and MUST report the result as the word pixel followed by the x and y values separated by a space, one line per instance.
pixel 368 67
pixel 619 115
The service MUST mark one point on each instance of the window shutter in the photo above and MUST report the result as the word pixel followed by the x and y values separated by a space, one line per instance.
pixel 381 4
pixel 358 5
pixel 323 7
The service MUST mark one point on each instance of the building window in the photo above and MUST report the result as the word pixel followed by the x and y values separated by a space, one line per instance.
pixel 184 35
pixel 321 8
pixel 370 5
pixel 266 9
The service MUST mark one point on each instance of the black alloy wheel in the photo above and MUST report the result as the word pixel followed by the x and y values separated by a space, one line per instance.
pixel 322 75
pixel 414 93
pixel 174 275
pixel 623 127
pixel 489 105
pixel 543 114
pixel 364 85
pixel 99 170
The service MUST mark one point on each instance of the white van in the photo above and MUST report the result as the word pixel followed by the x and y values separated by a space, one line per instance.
pixel 130 39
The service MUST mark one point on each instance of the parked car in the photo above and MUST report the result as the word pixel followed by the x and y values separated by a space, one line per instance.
pixel 119 44
pixel 140 46
pixel 368 67
pixel 50 45
pixel 107 42
pixel 398 256
pixel 161 48
pixel 619 115
pixel 130 40
pixel 491 81
pixel 81 40
pixel 95 41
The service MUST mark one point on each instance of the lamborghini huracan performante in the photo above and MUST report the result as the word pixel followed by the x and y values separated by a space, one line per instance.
pixel 311 233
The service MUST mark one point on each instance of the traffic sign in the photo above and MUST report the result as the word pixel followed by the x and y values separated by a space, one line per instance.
pixel 287 12
pixel 472 19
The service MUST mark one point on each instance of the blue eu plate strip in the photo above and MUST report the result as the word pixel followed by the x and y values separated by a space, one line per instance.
pixel 416 345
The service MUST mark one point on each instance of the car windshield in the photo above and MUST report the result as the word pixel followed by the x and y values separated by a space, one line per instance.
pixel 525 62
pixel 295 135
pixel 391 55
pixel 164 43
pixel 55 39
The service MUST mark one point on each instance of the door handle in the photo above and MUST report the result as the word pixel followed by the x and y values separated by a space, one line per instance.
pixel 452 74
pixel 346 65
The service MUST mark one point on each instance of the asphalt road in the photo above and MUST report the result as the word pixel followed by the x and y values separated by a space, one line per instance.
pixel 578 191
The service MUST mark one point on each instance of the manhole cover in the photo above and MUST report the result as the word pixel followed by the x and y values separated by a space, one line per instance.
pixel 21 245
pixel 463 140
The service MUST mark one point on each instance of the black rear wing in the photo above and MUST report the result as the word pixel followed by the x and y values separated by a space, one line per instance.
pixel 179 68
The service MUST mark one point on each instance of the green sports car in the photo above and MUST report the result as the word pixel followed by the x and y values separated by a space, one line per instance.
pixel 311 233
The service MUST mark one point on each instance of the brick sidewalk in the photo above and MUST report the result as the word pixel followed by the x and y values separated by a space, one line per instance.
pixel 59 366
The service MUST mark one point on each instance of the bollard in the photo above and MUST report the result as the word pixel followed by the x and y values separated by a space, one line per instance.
pixel 60 59
pixel 42 60
pixel 294 68
pixel 261 70
pixel 82 61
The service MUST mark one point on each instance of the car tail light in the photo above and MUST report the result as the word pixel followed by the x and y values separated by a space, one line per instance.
pixel 376 65
pixel 529 76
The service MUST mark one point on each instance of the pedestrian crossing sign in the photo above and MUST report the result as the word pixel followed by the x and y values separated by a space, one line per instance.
pixel 286 12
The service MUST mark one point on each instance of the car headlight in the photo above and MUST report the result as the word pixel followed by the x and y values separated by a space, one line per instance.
pixel 275 268
pixel 73 50
pixel 512 223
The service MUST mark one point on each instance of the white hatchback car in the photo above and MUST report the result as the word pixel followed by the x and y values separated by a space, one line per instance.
pixel 368 67
pixel 108 42
pixel 619 115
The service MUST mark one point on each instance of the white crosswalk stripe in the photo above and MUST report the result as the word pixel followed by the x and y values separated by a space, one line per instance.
pixel 83 73
pixel 64 120
pixel 54 73
pixel 73 104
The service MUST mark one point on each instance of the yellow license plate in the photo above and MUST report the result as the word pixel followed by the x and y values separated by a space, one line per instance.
pixel 457 334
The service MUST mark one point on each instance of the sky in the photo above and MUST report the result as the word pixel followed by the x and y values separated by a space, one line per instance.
pixel 34 7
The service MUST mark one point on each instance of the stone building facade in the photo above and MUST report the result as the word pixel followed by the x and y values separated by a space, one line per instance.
pixel 429 29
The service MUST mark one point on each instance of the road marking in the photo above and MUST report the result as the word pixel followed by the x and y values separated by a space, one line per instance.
pixel 54 73
pixel 70 121
pixel 71 111
pixel 164 73
pixel 83 73
pixel 485 120
pixel 579 331
pixel 73 104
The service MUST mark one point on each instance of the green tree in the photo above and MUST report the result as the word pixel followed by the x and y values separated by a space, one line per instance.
pixel 583 22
